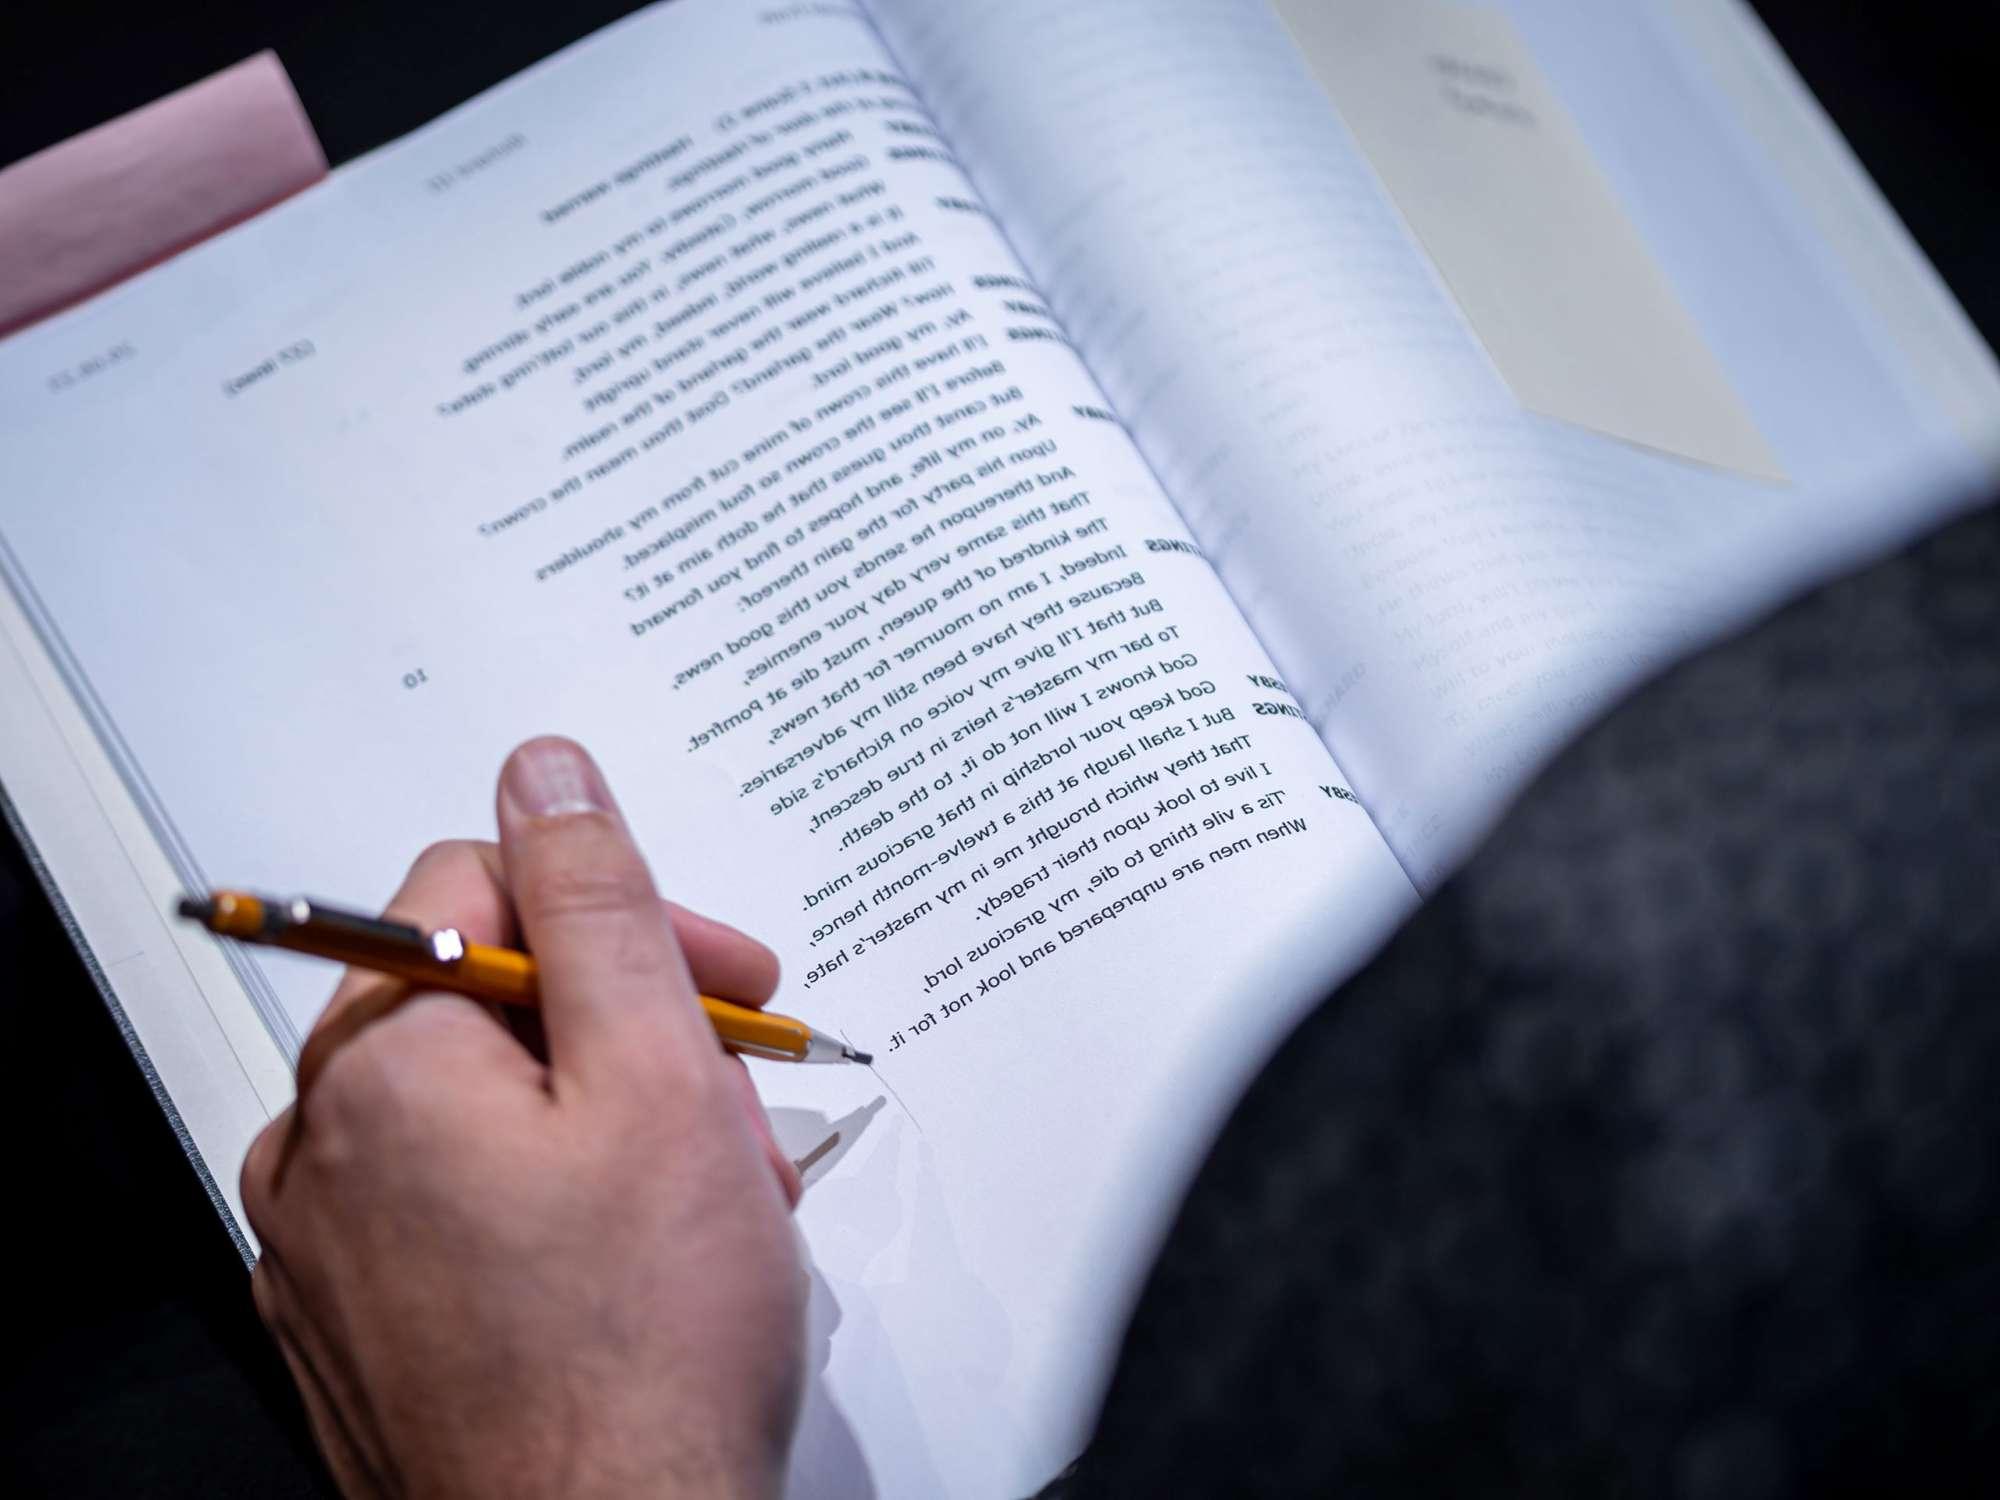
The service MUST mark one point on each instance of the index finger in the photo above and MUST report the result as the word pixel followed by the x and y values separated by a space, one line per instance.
pixel 726 963
pixel 452 884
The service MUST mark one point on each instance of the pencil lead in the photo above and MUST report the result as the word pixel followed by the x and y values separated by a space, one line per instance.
pixel 853 1055
pixel 196 908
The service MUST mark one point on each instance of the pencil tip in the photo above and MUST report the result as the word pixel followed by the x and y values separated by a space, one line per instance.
pixel 853 1055
pixel 196 908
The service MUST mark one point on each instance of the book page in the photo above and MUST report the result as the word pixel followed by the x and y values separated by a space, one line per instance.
pixel 1505 197
pixel 1453 584
pixel 681 396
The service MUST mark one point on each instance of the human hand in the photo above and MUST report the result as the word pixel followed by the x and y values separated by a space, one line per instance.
pixel 493 1274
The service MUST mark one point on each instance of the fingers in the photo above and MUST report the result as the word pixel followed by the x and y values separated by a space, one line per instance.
pixel 361 1001
pixel 727 964
pixel 617 998
pixel 782 1166
pixel 456 883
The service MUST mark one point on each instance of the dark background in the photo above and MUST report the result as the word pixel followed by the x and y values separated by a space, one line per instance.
pixel 133 1363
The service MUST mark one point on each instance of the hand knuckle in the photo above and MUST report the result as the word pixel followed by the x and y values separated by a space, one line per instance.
pixel 398 1070
pixel 432 1030
pixel 586 889
pixel 359 1080
pixel 692 1085
pixel 443 854
pixel 663 1091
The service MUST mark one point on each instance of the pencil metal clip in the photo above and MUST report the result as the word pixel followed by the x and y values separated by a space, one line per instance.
pixel 333 919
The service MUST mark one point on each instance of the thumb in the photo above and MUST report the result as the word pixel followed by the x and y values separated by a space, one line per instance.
pixel 616 995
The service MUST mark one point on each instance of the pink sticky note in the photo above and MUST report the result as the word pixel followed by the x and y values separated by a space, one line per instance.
pixel 103 205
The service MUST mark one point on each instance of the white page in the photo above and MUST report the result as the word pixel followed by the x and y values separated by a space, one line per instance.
pixel 113 889
pixel 319 533
pixel 1453 585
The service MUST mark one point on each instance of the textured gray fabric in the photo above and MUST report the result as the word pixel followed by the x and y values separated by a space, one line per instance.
pixel 1656 1156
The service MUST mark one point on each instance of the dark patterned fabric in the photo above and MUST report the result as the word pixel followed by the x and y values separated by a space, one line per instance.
pixel 1656 1156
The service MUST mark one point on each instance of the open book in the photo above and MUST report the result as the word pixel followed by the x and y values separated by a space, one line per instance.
pixel 1037 509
